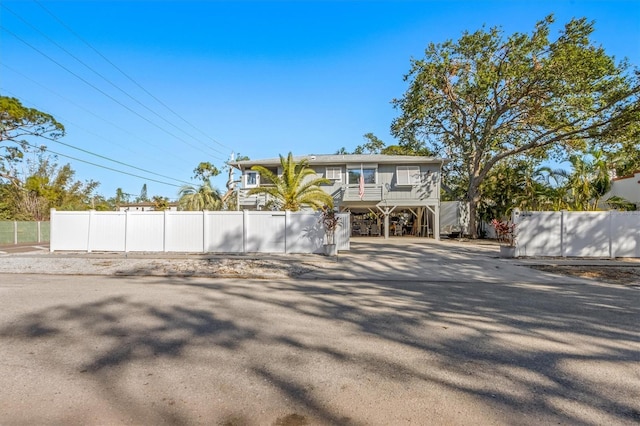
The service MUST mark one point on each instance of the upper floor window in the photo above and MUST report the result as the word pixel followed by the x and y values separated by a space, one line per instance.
pixel 408 175
pixel 250 179
pixel 334 173
pixel 369 174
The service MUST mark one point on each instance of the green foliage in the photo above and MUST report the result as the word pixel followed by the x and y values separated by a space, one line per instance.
pixel 375 145
pixel 205 171
pixel 488 97
pixel 16 123
pixel 46 185
pixel 297 187
pixel 203 197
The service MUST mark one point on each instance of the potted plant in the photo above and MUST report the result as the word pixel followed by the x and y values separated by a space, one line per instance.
pixel 506 234
pixel 330 222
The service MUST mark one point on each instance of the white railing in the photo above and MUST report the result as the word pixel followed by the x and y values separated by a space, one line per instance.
pixel 577 234
pixel 371 193
pixel 208 232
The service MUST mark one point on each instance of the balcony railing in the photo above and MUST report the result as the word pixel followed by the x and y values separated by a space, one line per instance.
pixel 371 193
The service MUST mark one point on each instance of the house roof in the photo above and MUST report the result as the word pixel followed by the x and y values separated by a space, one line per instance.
pixel 344 159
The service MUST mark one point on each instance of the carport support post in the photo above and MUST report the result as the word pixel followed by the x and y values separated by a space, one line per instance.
pixel 386 212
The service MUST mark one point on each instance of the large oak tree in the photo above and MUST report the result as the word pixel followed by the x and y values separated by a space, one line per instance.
pixel 488 97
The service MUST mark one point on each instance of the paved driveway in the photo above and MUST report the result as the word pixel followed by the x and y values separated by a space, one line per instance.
pixel 412 333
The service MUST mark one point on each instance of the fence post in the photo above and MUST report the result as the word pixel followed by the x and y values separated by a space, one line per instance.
pixel 612 253
pixel 245 229
pixel 126 231
pixel 38 228
pixel 15 232
pixel 562 234
pixel 205 231
pixel 91 212
pixel 52 215
pixel 287 219
pixel 164 231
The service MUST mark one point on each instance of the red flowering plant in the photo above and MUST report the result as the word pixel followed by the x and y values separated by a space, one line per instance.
pixel 505 231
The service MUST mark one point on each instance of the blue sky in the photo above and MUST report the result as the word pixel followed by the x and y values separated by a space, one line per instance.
pixel 261 78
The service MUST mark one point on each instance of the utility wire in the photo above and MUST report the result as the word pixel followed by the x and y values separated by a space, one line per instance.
pixel 102 156
pixel 107 158
pixel 106 79
pixel 101 166
pixel 103 92
pixel 127 76
pixel 172 154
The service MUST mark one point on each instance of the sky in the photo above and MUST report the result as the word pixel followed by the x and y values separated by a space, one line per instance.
pixel 153 88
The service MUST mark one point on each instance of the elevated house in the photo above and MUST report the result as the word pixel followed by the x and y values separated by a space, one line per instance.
pixel 390 195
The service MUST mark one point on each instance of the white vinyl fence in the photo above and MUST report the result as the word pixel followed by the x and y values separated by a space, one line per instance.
pixel 207 232
pixel 578 234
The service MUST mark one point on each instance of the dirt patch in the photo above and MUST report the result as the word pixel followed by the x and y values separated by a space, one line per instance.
pixel 624 275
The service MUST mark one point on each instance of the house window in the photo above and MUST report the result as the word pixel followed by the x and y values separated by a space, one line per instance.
pixel 250 179
pixel 368 173
pixel 408 175
pixel 334 173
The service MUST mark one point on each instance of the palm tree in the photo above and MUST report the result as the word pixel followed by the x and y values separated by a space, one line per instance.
pixel 295 188
pixel 204 197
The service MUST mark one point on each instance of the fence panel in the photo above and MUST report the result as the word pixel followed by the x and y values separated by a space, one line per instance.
pixel 265 232
pixel 582 234
pixel 184 231
pixel 16 232
pixel 586 234
pixel 304 233
pixel 216 232
pixel 538 233
pixel 70 231
pixel 108 231
pixel 343 233
pixel 145 231
pixel 7 232
pixel 625 234
pixel 27 232
pixel 224 232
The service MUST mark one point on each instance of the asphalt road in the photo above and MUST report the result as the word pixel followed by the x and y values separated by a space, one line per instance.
pixel 518 348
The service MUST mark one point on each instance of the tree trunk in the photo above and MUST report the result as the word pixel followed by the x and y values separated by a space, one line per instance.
pixel 473 198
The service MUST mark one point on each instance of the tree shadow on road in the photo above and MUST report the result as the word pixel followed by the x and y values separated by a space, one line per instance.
pixel 532 351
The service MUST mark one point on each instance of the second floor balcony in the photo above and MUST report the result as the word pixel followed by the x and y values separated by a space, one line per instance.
pixel 371 193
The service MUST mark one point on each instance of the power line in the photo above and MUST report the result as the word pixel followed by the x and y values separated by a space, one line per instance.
pixel 105 157
pixel 105 78
pixel 103 92
pixel 101 166
pixel 127 76
pixel 173 154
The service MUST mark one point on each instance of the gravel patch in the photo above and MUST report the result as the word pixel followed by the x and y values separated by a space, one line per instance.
pixel 284 267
